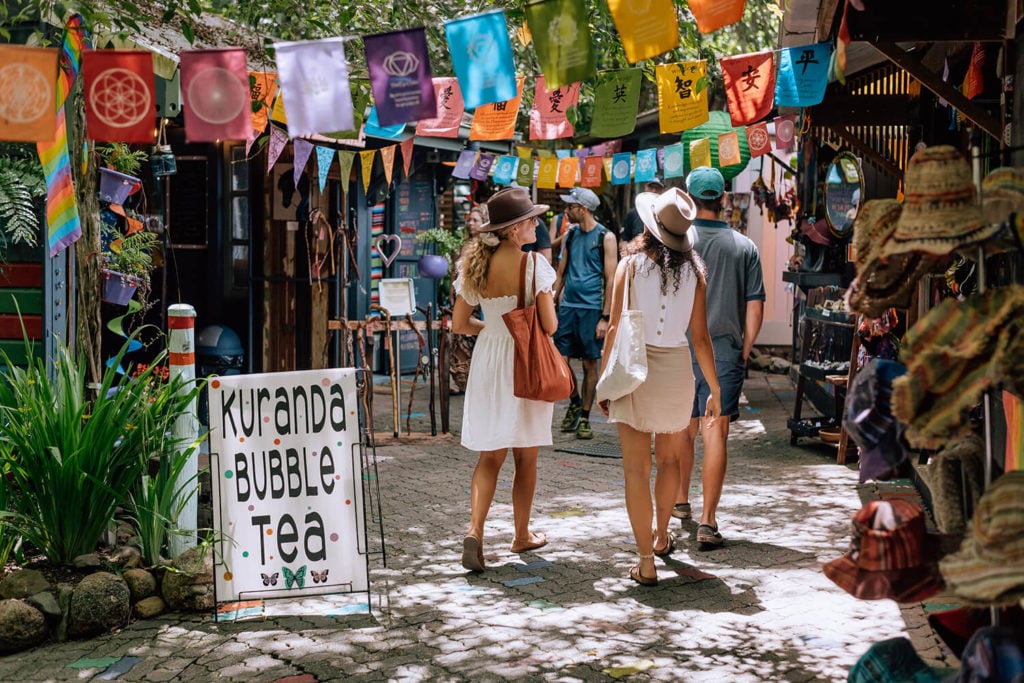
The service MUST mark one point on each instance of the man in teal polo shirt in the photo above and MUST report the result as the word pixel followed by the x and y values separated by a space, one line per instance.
pixel 735 309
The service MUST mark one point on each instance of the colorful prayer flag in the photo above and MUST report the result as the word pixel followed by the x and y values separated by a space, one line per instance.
pixel 324 157
pixel 749 86
pixel 366 165
pixel 646 165
pixel 215 95
pixel 482 57
pixel 27 95
pixel 505 170
pixel 372 127
pixel 672 160
pixel 547 117
pixel 464 165
pixel 547 173
pixel 729 149
pixel 616 100
pixel 315 86
pixel 262 88
pixel 525 171
pixel 593 167
pixel 301 151
pixel 803 75
pixel 561 39
pixel 758 139
pixel 120 101
pixel 568 169
pixel 647 27
pixel 345 161
pixel 784 132
pixel 682 95
pixel 497 121
pixel 974 79
pixel 387 157
pixel 700 153
pixel 400 76
pixel 407 152
pixel 712 15
pixel 449 111
pixel 276 144
pixel 622 168
pixel 482 166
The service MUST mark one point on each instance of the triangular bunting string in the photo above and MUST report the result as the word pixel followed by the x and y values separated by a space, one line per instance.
pixel 407 150
pixel 387 156
pixel 302 149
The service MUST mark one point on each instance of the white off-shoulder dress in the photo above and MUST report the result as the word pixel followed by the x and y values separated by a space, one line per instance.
pixel 492 417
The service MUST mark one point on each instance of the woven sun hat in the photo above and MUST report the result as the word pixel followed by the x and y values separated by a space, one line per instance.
pixel 509 206
pixel 874 225
pixel 668 216
pixel 989 566
pixel 940 212
pixel 891 555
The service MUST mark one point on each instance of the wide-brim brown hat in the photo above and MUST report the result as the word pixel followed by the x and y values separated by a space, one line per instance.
pixel 668 216
pixel 874 225
pixel 509 206
pixel 940 211
pixel 1002 194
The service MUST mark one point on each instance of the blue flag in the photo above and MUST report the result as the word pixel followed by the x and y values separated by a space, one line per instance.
pixel 646 165
pixel 622 168
pixel 482 57
pixel 505 170
pixel 372 127
pixel 803 75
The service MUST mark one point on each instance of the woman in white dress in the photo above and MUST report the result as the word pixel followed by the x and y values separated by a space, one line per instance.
pixel 493 419
pixel 667 284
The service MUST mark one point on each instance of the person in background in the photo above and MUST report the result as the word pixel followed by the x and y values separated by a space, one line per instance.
pixel 633 225
pixel 667 284
pixel 560 225
pixel 541 245
pixel 735 310
pixel 583 291
pixel 493 418
pixel 462 344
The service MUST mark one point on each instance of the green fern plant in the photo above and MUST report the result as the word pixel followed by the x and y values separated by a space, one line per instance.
pixel 21 184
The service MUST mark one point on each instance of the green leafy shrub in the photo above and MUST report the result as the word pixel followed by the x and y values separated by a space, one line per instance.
pixel 21 186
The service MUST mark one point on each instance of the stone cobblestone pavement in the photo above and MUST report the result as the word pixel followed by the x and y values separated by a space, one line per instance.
pixel 758 609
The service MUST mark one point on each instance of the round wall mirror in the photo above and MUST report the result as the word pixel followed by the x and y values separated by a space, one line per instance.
pixel 844 184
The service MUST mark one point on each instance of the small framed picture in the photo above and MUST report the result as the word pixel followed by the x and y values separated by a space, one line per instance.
pixel 398 296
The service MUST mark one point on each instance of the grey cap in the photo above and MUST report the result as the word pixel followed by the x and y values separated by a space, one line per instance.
pixel 582 196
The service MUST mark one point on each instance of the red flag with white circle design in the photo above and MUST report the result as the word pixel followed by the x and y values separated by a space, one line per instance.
pixel 215 95
pixel 120 101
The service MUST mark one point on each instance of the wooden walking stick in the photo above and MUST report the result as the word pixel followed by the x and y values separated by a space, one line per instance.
pixel 389 345
pixel 430 359
pixel 442 364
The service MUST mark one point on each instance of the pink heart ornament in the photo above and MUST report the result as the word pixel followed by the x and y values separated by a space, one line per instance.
pixel 382 248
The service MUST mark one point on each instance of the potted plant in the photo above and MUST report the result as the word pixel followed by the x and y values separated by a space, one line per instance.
pixel 126 264
pixel 445 243
pixel 119 178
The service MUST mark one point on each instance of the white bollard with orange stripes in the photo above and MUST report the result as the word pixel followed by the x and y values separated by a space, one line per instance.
pixel 181 327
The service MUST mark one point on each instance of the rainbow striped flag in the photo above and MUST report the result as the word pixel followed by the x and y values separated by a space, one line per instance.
pixel 63 223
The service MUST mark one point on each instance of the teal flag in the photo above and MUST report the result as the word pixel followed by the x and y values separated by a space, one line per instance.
pixel 505 170
pixel 561 39
pixel 616 99
pixel 622 168
pixel 646 165
pixel 803 75
pixel 482 58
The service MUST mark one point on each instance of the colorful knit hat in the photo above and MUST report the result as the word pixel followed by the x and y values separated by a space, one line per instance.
pixel 989 566
pixel 940 213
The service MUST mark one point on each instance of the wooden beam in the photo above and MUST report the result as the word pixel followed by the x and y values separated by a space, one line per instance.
pixel 844 109
pixel 868 151
pixel 978 116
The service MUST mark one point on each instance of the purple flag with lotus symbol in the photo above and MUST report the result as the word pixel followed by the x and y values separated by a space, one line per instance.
pixel 400 76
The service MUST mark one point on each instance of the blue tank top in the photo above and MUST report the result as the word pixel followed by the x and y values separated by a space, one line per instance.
pixel 584 273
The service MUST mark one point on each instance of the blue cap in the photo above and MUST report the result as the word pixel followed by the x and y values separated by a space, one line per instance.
pixel 705 182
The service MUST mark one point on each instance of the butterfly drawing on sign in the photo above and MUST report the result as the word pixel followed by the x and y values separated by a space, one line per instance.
pixel 296 578
pixel 319 577
pixel 270 579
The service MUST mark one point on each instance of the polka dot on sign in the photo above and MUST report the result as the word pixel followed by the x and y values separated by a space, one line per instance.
pixel 340 444
pixel 266 419
pixel 215 384
pixel 270 557
pixel 326 382
pixel 228 576
pixel 241 439
pixel 245 553
pixel 270 532
pixel 277 442
pixel 228 474
pixel 348 502
pixel 334 538
pixel 251 508
pixel 337 477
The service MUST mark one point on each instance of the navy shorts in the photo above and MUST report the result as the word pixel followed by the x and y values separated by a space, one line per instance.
pixel 577 332
pixel 730 382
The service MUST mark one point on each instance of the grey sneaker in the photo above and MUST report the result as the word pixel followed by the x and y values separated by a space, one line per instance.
pixel 681 511
pixel 572 418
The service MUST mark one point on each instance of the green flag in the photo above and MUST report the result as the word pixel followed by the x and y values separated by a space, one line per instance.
pixel 616 99
pixel 561 38
pixel 524 172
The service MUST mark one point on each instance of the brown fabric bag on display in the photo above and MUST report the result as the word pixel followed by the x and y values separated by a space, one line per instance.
pixel 540 372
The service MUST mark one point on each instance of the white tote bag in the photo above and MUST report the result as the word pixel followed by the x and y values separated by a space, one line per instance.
pixel 627 363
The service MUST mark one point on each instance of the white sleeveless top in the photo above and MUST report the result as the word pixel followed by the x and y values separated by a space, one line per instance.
pixel 666 316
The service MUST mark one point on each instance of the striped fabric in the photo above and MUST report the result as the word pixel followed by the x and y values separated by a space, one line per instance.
pixel 63 223
pixel 1013 408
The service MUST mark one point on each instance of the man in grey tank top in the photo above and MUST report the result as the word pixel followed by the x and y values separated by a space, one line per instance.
pixel 735 309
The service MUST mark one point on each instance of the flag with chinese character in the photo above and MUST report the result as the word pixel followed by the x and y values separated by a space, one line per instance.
pixel 712 15
pixel 482 58
pixel 758 139
pixel 729 149
pixel 497 121
pixel 315 86
pixel 120 101
pixel 547 173
pixel 616 100
pixel 785 133
pixel 700 153
pixel 375 129
pixel 400 76
pixel 467 158
pixel 647 27
pixel 682 95
pixel 482 167
pixel 215 95
pixel 593 168
pixel 262 88
pixel 672 160
pixel 27 95
pixel 525 171
pixel 803 75
pixel 561 39
pixel 505 170
pixel 547 118
pixel 568 169
pixel 749 86
pixel 646 165
pixel 622 168
pixel 449 111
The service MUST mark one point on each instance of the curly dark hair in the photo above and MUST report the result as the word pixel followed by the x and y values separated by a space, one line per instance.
pixel 672 262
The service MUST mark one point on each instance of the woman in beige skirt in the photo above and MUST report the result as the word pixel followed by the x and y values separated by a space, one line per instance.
pixel 668 286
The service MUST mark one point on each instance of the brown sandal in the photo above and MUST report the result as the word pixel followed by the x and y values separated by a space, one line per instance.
pixel 522 545
pixel 634 573
pixel 473 554
pixel 667 550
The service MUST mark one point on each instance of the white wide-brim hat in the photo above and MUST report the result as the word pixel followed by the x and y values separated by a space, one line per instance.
pixel 668 216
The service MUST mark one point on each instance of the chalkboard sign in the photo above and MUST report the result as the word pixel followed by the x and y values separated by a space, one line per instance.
pixel 188 206
pixel 414 211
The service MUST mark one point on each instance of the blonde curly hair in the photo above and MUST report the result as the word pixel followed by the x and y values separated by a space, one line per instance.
pixel 475 260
